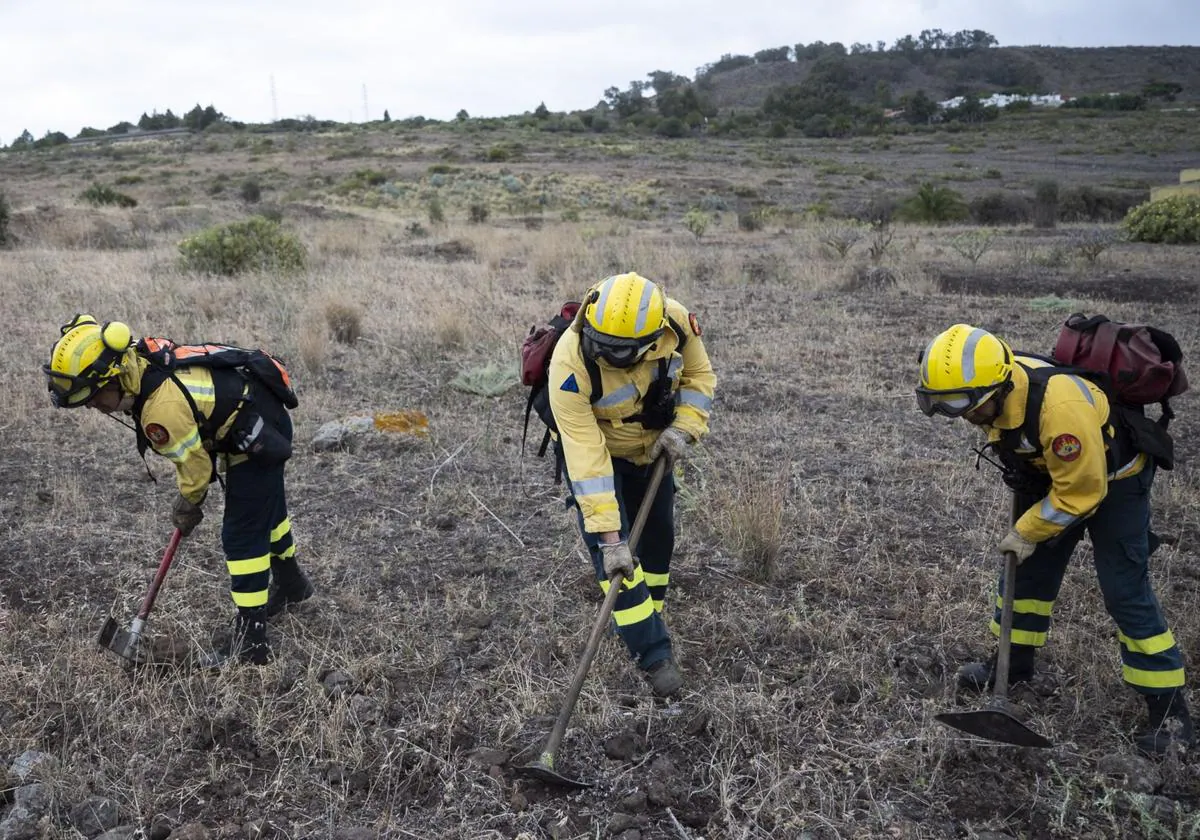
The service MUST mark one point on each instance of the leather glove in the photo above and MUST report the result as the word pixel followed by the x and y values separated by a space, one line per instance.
pixel 674 441
pixel 617 558
pixel 1017 544
pixel 186 516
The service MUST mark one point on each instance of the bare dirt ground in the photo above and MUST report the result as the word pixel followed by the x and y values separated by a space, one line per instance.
pixel 834 563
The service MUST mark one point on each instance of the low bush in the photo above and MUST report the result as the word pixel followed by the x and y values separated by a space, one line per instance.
pixel 254 244
pixel 1000 208
pixel 933 205
pixel 5 219
pixel 1093 204
pixel 1174 220
pixel 99 195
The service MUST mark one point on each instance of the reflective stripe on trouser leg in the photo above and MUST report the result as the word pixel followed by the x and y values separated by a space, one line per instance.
pixel 253 495
pixel 638 623
pixel 658 537
pixel 1151 661
pixel 1036 589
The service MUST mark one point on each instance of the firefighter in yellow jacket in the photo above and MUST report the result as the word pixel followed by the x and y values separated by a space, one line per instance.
pixel 630 380
pixel 188 415
pixel 1072 466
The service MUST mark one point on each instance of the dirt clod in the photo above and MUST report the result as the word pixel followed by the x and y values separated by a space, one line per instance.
pixel 621 747
pixel 634 802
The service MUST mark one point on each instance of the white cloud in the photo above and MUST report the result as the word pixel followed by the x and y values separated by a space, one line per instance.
pixel 79 62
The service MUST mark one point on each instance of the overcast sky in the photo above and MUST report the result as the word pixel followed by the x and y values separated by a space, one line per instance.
pixel 65 64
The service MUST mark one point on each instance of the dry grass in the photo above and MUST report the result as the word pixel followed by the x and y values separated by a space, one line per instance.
pixel 833 561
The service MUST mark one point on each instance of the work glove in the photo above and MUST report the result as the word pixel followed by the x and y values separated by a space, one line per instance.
pixel 1017 544
pixel 674 441
pixel 617 558
pixel 186 516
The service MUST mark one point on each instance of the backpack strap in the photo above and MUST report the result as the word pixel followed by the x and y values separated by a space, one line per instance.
pixel 1030 428
pixel 679 331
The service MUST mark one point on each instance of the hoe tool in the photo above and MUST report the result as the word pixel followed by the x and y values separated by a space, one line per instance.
pixel 127 643
pixel 996 721
pixel 543 768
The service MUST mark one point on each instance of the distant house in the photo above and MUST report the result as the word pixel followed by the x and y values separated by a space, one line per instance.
pixel 1037 100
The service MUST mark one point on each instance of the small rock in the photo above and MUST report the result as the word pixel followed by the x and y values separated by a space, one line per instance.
pixel 630 834
pixel 121 832
pixel 160 828
pixel 662 766
pixel 189 831
pixel 634 802
pixel 19 824
pixel 487 756
pixel 621 747
pixel 620 822
pixel 354 832
pixel 28 762
pixel 698 725
pixel 657 793
pixel 94 815
pixel 331 436
pixel 445 522
pixel 1137 774
pixel 337 683
pixel 366 710
pixel 45 496
pixel 34 798
pixel 517 801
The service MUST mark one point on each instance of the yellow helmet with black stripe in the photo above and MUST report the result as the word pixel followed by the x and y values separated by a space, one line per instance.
pixel 960 369
pixel 86 357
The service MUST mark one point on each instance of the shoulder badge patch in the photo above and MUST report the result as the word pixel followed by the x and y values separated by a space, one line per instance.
pixel 694 323
pixel 1067 447
pixel 570 385
pixel 157 434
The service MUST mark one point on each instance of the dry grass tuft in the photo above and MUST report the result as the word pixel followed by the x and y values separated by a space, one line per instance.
pixel 752 514
pixel 345 321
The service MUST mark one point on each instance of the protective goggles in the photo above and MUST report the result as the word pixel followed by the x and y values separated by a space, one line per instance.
pixel 954 403
pixel 618 352
pixel 67 391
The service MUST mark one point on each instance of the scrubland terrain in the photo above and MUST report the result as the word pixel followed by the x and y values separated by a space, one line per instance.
pixel 835 557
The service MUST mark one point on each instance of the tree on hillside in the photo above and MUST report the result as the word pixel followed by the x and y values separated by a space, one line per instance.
pixel 123 127
pixel 773 54
pixel 157 121
pixel 662 81
pixel 386 116
pixel 919 108
pixel 1167 91
pixel 88 131
pixel 199 118
pixel 629 102
pixel 25 141
pixel 51 138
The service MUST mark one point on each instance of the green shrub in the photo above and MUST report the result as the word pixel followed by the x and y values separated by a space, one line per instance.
pixel 101 194
pixel 1045 204
pixel 672 127
pixel 437 213
pixel 933 205
pixel 254 244
pixel 1093 204
pixel 750 220
pixel 1174 220
pixel 1000 208
pixel 696 221
pixel 477 212
pixel 251 191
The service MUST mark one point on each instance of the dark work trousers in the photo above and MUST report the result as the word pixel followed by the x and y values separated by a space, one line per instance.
pixel 1122 543
pixel 638 611
pixel 256 530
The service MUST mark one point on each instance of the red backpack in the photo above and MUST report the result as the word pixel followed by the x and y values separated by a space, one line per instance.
pixel 1143 364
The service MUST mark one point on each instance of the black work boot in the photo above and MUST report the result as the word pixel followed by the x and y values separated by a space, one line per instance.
pixel 289 585
pixel 664 677
pixel 248 643
pixel 1169 721
pixel 981 676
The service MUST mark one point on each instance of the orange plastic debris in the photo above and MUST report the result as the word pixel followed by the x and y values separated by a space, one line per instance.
pixel 407 422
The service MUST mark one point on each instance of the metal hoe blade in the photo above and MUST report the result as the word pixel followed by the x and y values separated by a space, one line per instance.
pixel 996 722
pixel 127 644
pixel 543 768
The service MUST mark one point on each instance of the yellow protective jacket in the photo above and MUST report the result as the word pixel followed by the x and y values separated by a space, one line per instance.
pixel 592 434
pixel 1072 435
pixel 167 421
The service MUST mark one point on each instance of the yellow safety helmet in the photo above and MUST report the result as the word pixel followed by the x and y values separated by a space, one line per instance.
pixel 85 359
pixel 622 318
pixel 961 369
